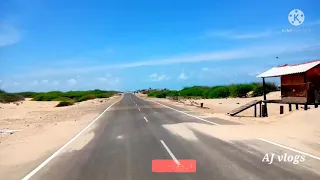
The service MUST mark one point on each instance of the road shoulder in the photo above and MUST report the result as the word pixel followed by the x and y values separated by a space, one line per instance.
pixel 43 131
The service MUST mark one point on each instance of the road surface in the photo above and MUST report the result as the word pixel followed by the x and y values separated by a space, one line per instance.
pixel 122 143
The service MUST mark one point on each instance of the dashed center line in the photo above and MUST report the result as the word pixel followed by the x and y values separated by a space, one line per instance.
pixel 139 109
pixel 146 119
pixel 170 153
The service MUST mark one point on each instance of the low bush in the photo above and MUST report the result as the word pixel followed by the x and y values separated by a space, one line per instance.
pixel 235 90
pixel 173 93
pixel 28 94
pixel 9 97
pixel 158 94
pixel 241 90
pixel 72 95
pixel 86 97
pixel 195 91
pixel 64 103
pixel 219 92
pixel 62 99
pixel 269 87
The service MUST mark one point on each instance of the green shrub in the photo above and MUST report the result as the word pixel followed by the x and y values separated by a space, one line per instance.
pixel 199 91
pixel 72 95
pixel 9 97
pixel 86 97
pixel 62 99
pixel 161 95
pixel 240 90
pixel 235 90
pixel 48 96
pixel 269 87
pixel 158 94
pixel 219 92
pixel 173 93
pixel 28 94
pixel 64 103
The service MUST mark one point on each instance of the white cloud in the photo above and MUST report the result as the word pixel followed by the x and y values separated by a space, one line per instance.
pixel 35 82
pixel 255 73
pixel 158 77
pixel 205 69
pixel 240 53
pixel 55 82
pixel 72 81
pixel 16 83
pixel 183 76
pixel 8 35
pixel 109 79
pixel 44 81
pixel 233 35
pixel 102 79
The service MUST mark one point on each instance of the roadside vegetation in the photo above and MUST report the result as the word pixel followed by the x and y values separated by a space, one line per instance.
pixel 233 90
pixel 65 98
pixel 9 97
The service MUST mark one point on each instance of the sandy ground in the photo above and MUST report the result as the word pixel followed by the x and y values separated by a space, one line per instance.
pixel 43 128
pixel 298 129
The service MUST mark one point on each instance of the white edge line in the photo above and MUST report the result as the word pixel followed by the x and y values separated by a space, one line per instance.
pixel 295 150
pixel 28 176
pixel 145 119
pixel 170 153
pixel 185 113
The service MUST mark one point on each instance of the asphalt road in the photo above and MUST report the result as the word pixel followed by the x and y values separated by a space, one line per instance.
pixel 123 142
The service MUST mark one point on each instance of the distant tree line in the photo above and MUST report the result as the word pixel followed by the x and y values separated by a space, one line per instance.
pixel 233 90
pixel 66 98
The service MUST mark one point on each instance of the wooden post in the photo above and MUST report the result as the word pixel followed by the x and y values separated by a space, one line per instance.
pixel 260 104
pixel 290 107
pixel 255 110
pixel 265 108
pixel 305 107
pixel 281 109
pixel 201 105
pixel 297 107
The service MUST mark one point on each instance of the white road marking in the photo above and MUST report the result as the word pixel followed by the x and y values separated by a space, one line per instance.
pixel 28 176
pixel 120 137
pixel 295 150
pixel 186 113
pixel 139 109
pixel 145 119
pixel 7 131
pixel 170 153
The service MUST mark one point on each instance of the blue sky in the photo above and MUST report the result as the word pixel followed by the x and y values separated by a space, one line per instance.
pixel 127 45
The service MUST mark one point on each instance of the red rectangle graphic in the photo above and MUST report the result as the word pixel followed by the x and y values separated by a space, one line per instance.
pixel 170 166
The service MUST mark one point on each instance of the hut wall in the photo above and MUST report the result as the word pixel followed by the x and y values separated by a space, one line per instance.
pixel 294 88
pixel 313 79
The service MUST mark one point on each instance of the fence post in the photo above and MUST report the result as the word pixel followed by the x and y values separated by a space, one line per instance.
pixel 263 110
pixel 290 107
pixel 255 110
pixel 305 107
pixel 281 109
pixel 260 109
pixel 297 107
pixel 201 105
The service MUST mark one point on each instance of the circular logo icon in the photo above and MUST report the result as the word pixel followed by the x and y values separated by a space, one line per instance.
pixel 296 17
